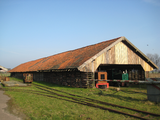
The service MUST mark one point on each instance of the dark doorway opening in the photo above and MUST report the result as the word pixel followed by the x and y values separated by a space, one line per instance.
pixel 115 71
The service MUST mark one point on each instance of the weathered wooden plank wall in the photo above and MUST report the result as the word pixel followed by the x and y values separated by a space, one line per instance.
pixel 118 54
pixel 17 75
pixel 121 54
pixel 112 56
pixel 38 76
pixel 74 79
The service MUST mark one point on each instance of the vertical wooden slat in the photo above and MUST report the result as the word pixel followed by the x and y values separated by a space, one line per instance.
pixel 112 59
pixel 121 55
pixel 118 54
pixel 107 57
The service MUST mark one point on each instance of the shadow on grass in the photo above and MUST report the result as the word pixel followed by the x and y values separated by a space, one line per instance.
pixel 41 82
pixel 52 84
pixel 133 92
pixel 100 93
pixel 120 97
pixel 142 86
pixel 123 98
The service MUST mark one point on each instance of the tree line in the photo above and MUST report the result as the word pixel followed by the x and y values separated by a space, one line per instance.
pixel 156 59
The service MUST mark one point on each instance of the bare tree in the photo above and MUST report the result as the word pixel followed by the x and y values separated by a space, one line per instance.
pixel 155 58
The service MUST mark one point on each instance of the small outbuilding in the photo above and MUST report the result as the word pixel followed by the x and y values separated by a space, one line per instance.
pixel 3 69
pixel 71 68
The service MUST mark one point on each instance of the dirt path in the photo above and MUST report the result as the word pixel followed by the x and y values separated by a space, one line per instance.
pixel 3 114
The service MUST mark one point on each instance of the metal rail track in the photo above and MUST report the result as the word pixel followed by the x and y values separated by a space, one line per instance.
pixel 87 101
pixel 93 100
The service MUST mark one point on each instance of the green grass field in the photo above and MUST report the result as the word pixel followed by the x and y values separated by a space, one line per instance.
pixel 38 107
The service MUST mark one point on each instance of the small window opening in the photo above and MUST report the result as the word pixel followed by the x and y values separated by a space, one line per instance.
pixel 102 76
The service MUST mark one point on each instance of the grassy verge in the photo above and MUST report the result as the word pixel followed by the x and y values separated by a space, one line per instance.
pixel 37 107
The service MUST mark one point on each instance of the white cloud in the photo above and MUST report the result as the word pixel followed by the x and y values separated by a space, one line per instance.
pixel 154 2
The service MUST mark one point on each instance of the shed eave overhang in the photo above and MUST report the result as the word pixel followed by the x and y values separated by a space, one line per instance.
pixel 121 39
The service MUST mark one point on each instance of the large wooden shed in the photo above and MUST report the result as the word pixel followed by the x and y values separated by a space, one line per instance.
pixel 72 67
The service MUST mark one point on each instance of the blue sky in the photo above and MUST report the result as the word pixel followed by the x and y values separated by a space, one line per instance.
pixel 32 29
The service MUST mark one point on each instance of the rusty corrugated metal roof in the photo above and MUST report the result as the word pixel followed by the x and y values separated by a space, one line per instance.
pixel 65 60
